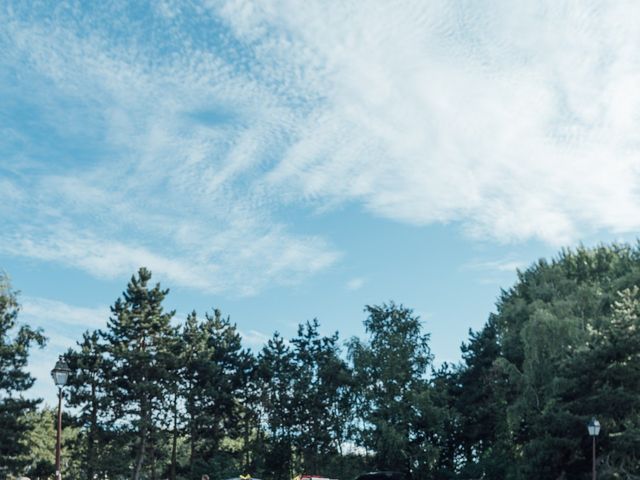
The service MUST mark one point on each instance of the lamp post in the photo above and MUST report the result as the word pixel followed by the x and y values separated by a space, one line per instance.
pixel 60 374
pixel 594 430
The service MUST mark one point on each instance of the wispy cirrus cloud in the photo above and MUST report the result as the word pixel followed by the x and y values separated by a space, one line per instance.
pixel 508 264
pixel 494 272
pixel 48 312
pixel 355 283
pixel 176 135
pixel 163 173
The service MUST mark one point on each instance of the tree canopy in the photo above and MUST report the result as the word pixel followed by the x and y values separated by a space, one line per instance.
pixel 15 343
pixel 153 397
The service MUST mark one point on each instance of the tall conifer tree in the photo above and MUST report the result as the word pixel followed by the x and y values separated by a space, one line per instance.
pixel 323 396
pixel 139 343
pixel 15 342
pixel 214 375
pixel 277 372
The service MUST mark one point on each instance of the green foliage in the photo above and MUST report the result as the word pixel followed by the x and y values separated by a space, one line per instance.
pixel 214 372
pixel 322 394
pixel 156 400
pixel 391 374
pixel 40 442
pixel 277 372
pixel 15 343
pixel 139 345
pixel 605 378
pixel 557 351
pixel 99 449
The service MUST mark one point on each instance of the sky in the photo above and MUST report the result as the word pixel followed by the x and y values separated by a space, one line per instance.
pixel 290 160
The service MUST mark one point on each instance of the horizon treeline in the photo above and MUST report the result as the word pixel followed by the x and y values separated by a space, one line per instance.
pixel 151 399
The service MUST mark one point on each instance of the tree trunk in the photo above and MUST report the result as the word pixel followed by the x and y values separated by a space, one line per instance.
pixel 174 446
pixel 192 453
pixel 140 455
pixel 145 420
pixel 91 438
pixel 246 438
pixel 153 459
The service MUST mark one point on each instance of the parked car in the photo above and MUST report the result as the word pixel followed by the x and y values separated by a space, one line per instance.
pixel 384 476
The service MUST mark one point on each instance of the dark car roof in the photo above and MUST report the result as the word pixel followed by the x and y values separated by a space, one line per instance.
pixel 383 476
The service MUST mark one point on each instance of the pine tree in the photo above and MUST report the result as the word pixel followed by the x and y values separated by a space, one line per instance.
pixel 250 417
pixel 87 391
pixel 215 370
pixel 139 344
pixel 322 396
pixel 15 343
pixel 277 373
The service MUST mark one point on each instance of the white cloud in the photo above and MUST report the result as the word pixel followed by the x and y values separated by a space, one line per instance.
pixel 355 283
pixel 106 259
pixel 502 118
pixel 513 121
pixel 502 265
pixel 254 338
pixel 492 272
pixel 172 192
pixel 49 312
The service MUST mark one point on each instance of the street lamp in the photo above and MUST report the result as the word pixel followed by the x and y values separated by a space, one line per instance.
pixel 60 374
pixel 594 430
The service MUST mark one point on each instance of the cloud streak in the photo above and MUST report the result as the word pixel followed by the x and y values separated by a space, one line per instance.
pixel 43 311
pixel 355 284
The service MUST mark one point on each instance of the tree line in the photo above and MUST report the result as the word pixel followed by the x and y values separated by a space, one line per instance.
pixel 154 398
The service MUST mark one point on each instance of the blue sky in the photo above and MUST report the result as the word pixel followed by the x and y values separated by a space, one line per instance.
pixel 285 160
